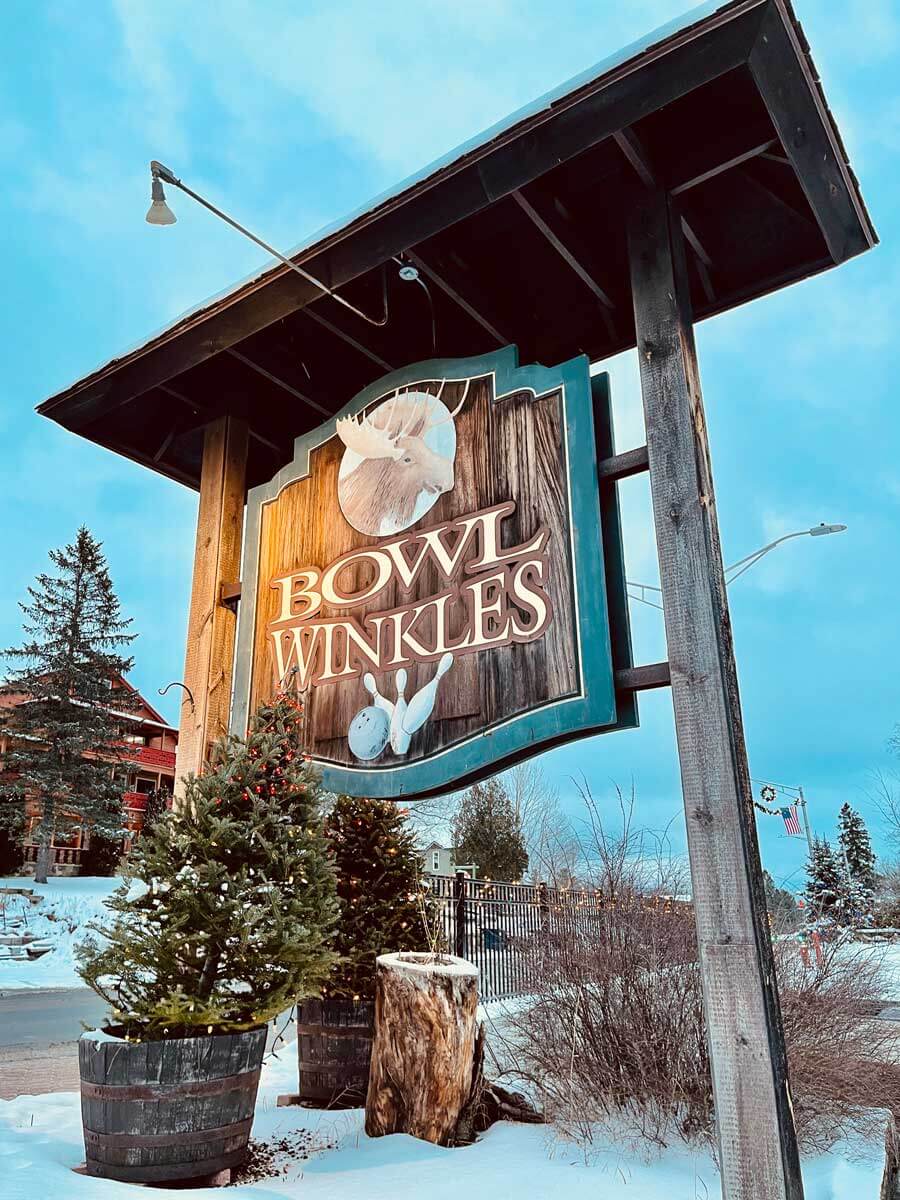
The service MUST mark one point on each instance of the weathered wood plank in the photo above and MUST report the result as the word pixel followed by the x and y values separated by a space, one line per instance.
pixel 758 1149
pixel 620 466
pixel 212 625
pixel 643 678
pixel 784 78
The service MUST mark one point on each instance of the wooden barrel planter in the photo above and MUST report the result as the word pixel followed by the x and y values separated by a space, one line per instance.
pixel 166 1110
pixel 334 1046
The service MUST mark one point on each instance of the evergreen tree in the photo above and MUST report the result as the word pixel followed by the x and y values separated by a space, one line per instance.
pixel 826 888
pixel 11 856
pixel 488 832
pixel 857 848
pixel 782 906
pixel 384 905
pixel 63 737
pixel 159 801
pixel 228 915
pixel 102 856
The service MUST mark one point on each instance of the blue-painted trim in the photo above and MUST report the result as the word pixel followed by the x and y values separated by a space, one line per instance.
pixel 594 710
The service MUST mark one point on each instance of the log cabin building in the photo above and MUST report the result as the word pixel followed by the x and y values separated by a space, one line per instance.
pixel 147 757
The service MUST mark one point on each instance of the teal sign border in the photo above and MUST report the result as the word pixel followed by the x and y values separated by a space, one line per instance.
pixel 602 614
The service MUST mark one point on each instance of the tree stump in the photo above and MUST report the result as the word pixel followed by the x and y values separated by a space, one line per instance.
pixel 423 1055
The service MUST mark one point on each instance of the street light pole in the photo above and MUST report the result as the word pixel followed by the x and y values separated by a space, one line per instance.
pixel 802 803
pixel 745 563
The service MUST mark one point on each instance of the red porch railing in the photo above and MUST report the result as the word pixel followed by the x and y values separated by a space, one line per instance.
pixel 60 856
pixel 150 756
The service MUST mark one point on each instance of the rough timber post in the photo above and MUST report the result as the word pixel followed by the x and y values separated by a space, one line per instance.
pixel 757 1141
pixel 209 657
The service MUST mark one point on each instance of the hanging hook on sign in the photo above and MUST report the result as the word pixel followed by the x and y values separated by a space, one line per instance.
pixel 178 683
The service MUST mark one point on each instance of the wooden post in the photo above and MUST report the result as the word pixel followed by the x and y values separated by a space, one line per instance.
pixel 209 658
pixel 757 1140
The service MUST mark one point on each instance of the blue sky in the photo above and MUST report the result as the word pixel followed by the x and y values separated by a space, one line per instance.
pixel 289 115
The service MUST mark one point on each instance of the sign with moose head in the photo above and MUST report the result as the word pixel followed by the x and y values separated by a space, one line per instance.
pixel 431 576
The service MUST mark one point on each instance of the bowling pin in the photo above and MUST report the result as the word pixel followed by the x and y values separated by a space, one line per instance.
pixel 399 736
pixel 422 704
pixel 378 700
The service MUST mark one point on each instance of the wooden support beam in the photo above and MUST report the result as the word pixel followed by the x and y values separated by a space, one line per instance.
pixel 704 262
pixel 292 391
pixel 345 337
pixel 644 678
pixel 199 407
pixel 459 300
pixel 783 74
pixel 561 249
pixel 636 154
pixel 174 430
pixel 757 1142
pixel 630 145
pixel 209 659
pixel 620 466
pixel 684 182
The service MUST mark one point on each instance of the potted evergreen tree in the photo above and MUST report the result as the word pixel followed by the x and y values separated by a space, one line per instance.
pixel 224 922
pixel 384 906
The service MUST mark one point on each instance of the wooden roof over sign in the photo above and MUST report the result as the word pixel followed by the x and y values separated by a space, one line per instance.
pixel 520 236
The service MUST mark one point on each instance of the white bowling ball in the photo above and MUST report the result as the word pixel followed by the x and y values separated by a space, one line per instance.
pixel 369 732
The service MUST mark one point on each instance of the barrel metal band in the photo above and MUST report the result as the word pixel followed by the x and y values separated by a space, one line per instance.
pixel 243 1081
pixel 153 1141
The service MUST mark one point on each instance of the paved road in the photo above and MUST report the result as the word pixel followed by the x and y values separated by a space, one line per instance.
pixel 38 1018
pixel 39 1031
pixel 38 1035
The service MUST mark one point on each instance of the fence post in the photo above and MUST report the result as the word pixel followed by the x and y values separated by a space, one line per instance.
pixel 459 922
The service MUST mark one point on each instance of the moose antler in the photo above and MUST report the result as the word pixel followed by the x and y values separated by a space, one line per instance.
pixel 405 415
pixel 366 439
pixel 451 415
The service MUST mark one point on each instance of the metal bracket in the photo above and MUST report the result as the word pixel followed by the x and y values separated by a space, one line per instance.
pixel 230 595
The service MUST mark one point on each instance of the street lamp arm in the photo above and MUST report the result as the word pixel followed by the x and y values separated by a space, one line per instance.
pixel 162 173
pixel 748 560
pixel 765 550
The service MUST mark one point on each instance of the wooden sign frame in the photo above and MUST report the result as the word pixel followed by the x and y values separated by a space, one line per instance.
pixel 597 580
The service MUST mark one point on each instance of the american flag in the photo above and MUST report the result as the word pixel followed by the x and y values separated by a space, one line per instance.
pixel 791 822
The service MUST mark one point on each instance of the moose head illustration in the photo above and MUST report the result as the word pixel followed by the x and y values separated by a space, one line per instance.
pixel 397 462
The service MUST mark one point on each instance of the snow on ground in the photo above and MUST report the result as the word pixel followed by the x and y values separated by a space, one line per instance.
pixel 62 917
pixel 41 1143
pixel 890 969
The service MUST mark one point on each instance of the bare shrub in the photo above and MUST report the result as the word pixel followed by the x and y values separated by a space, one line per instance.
pixel 616 1027
pixel 844 1063
pixel 615 1038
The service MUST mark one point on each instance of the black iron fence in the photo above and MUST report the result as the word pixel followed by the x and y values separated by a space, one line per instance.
pixel 502 927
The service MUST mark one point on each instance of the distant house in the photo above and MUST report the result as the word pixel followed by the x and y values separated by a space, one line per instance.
pixel 146 753
pixel 438 859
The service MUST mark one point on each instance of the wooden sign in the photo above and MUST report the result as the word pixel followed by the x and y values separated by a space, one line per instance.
pixel 428 575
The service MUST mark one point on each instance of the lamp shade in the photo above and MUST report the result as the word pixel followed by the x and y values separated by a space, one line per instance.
pixel 159 212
